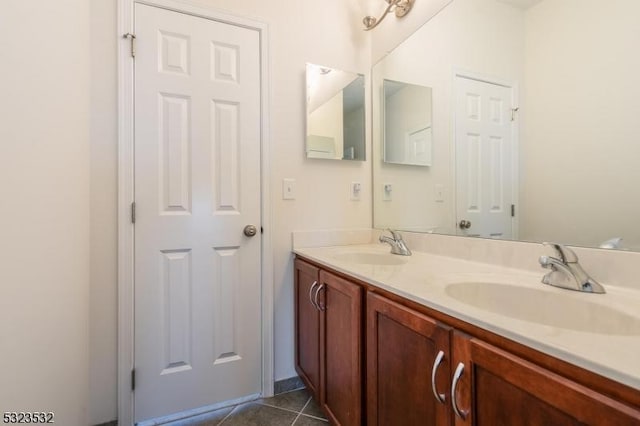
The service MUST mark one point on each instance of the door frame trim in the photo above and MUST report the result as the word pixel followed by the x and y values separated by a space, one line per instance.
pixel 126 196
pixel 515 134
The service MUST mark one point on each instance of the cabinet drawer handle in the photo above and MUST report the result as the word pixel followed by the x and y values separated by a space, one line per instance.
pixel 454 403
pixel 440 397
pixel 315 298
pixel 315 283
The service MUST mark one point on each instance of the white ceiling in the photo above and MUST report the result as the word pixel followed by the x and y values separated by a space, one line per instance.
pixel 521 4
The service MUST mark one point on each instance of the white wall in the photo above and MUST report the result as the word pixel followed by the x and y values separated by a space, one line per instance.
pixel 325 32
pixel 580 171
pixel 44 226
pixel 483 36
pixel 392 31
pixel 104 238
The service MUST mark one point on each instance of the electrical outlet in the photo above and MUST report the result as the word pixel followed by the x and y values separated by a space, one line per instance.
pixel 356 189
pixel 387 189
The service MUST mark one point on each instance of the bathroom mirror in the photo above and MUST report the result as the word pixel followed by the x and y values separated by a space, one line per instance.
pixel 534 123
pixel 335 114
pixel 407 123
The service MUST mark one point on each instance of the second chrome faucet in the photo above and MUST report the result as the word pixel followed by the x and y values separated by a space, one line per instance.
pixel 566 272
pixel 398 246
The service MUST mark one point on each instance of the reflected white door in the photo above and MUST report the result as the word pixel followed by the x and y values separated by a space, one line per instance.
pixel 197 184
pixel 484 158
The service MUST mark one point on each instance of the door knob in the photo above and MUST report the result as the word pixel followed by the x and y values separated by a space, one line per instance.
pixel 464 224
pixel 250 230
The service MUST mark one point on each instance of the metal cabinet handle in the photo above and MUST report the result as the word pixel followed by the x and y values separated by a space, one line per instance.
pixel 315 283
pixel 454 385
pixel 315 298
pixel 440 397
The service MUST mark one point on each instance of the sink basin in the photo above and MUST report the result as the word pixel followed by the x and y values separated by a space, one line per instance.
pixel 545 307
pixel 372 258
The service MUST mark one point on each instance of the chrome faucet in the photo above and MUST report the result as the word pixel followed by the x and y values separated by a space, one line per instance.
pixel 398 246
pixel 566 272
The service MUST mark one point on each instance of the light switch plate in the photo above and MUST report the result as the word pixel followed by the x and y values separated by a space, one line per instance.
pixel 439 193
pixel 356 190
pixel 288 189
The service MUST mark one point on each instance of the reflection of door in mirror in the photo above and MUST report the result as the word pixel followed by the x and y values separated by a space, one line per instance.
pixel 407 123
pixel 335 114
pixel 485 162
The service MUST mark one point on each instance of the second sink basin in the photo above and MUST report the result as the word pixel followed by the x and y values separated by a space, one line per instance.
pixel 371 258
pixel 545 307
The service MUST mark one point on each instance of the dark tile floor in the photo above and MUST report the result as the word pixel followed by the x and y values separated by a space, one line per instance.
pixel 290 408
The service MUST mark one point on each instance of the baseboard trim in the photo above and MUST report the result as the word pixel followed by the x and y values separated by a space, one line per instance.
pixel 287 385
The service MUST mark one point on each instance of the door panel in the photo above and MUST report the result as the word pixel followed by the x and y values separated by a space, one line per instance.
pixel 197 184
pixel 484 158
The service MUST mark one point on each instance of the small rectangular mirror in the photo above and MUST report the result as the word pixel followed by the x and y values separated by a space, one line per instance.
pixel 335 114
pixel 407 124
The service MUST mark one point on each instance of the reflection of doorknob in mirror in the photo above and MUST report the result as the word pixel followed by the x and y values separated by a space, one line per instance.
pixel 464 224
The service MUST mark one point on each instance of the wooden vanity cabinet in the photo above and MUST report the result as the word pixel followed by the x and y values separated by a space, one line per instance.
pixel 329 340
pixel 307 326
pixel 402 348
pixel 501 383
pixel 497 388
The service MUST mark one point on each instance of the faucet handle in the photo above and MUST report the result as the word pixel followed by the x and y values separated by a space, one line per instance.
pixel 564 253
pixel 395 234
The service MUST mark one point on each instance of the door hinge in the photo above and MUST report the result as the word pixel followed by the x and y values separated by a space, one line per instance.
pixel 133 379
pixel 513 113
pixel 133 212
pixel 132 38
pixel 513 210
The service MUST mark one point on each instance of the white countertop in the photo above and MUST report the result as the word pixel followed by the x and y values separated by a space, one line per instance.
pixel 424 278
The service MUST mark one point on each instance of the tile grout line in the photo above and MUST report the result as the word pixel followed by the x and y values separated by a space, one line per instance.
pixel 227 416
pixel 280 408
pixel 301 410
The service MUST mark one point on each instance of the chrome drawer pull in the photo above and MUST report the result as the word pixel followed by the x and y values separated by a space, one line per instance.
pixel 315 283
pixel 440 397
pixel 315 298
pixel 456 377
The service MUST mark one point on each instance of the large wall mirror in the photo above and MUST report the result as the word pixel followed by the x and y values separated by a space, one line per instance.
pixel 335 114
pixel 534 131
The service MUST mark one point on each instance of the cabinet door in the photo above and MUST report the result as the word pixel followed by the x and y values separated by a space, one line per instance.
pixel 402 348
pixel 497 388
pixel 341 350
pixel 307 326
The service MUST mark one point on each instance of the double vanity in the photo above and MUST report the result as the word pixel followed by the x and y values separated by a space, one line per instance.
pixel 430 339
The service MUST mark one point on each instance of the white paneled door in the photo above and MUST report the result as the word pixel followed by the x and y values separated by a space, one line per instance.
pixel 197 185
pixel 484 159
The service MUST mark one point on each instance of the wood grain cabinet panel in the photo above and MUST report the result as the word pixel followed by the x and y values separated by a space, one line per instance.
pixel 402 346
pixel 307 326
pixel 500 389
pixel 341 349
